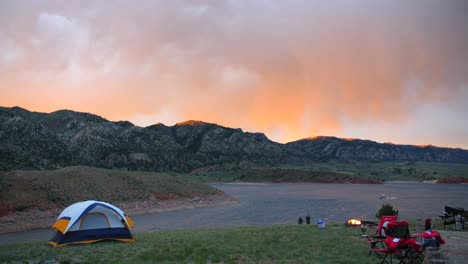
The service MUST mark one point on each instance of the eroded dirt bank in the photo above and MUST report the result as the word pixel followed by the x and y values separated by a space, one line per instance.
pixel 35 218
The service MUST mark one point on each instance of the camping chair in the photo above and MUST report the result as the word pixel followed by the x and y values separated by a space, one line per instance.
pixel 399 245
pixel 382 227
pixel 377 240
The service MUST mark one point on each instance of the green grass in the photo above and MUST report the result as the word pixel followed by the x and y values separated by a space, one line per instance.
pixel 278 244
pixel 320 171
pixel 276 174
pixel 392 171
pixel 381 171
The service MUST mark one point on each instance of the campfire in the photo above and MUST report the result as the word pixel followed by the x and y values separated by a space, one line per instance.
pixel 353 222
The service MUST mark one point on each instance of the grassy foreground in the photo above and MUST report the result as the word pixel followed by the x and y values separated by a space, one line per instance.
pixel 278 244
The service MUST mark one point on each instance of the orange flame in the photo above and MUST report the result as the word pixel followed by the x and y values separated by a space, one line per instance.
pixel 354 222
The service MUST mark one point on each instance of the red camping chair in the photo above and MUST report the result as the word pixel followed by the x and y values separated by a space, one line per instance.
pixel 377 240
pixel 383 223
pixel 382 226
pixel 399 245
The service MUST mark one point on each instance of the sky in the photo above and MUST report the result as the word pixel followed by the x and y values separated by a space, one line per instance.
pixel 390 71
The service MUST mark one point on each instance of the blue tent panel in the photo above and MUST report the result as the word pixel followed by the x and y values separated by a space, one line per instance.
pixel 91 235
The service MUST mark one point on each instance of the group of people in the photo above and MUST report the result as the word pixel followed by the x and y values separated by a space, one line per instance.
pixel 307 219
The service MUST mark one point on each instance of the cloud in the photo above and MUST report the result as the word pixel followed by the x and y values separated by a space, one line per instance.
pixel 60 43
pixel 10 54
pixel 291 69
pixel 236 78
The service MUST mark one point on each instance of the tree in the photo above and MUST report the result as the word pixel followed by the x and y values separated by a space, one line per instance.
pixel 386 210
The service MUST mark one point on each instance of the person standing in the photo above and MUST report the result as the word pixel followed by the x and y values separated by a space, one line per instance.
pixel 308 219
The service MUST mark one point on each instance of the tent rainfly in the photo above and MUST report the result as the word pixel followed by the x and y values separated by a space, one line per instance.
pixel 91 221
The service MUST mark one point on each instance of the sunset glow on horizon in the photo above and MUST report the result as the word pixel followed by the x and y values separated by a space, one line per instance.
pixel 389 71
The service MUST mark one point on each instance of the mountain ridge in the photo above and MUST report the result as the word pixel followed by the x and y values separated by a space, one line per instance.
pixel 34 140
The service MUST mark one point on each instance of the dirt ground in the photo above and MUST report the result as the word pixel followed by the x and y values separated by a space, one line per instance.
pixel 455 249
pixel 35 218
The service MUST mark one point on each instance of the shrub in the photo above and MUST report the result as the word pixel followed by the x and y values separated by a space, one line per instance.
pixel 386 209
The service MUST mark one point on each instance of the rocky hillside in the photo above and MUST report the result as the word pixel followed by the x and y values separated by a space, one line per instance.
pixel 326 148
pixel 31 140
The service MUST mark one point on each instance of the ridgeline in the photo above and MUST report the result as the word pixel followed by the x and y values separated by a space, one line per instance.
pixel 32 140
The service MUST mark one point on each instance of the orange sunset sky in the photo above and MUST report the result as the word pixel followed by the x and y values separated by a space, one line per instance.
pixel 389 71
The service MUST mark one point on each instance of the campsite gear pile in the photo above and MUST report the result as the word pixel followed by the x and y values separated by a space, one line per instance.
pixel 454 216
pixel 432 239
pixel 91 221
pixel 393 241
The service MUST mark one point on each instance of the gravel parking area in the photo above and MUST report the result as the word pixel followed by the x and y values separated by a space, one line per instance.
pixel 455 249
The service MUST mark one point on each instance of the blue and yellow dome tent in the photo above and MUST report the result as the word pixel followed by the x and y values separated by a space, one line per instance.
pixel 91 221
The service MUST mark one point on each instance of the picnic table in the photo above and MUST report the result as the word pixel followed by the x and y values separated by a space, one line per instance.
pixel 454 216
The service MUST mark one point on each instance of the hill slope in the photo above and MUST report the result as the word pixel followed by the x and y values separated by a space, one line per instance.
pixel 21 190
pixel 31 140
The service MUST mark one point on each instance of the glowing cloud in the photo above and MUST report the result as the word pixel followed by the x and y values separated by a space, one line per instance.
pixel 385 70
